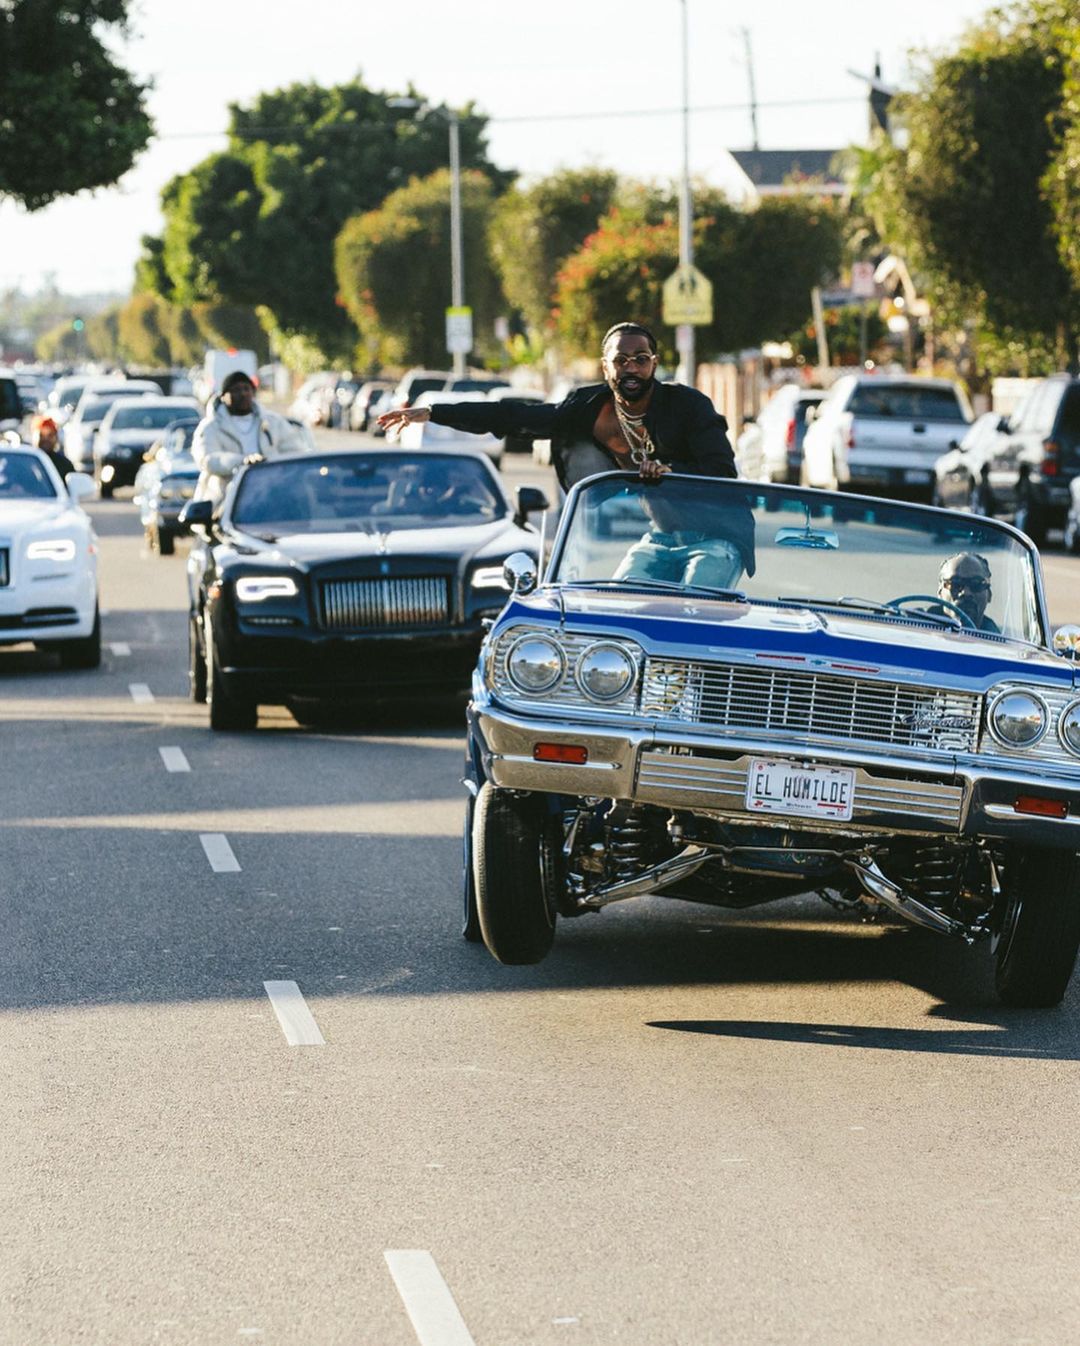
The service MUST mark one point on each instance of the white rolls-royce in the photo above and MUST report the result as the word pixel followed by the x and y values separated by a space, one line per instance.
pixel 48 559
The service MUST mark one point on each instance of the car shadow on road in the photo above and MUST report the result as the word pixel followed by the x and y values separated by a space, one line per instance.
pixel 1022 1035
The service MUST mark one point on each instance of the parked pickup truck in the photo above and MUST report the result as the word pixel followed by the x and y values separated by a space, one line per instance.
pixel 882 435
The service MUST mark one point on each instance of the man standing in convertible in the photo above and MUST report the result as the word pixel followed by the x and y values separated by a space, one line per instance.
pixel 628 421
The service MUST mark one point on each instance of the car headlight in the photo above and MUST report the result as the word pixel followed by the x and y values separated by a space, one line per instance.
pixel 489 577
pixel 605 672
pixel 52 549
pixel 1017 719
pixel 256 588
pixel 1069 727
pixel 535 664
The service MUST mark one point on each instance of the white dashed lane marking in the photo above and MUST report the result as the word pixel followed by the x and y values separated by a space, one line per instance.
pixel 140 693
pixel 435 1317
pixel 219 853
pixel 174 759
pixel 120 649
pixel 296 1020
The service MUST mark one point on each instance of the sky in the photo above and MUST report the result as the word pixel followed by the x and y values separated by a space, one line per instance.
pixel 532 68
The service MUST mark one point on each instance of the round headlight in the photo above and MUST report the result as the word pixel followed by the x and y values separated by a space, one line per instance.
pixel 1017 719
pixel 1069 727
pixel 535 664
pixel 605 672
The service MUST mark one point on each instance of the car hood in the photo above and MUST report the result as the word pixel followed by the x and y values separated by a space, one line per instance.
pixel 307 550
pixel 24 516
pixel 832 642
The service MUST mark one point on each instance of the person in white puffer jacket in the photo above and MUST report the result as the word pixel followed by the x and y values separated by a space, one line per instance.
pixel 236 429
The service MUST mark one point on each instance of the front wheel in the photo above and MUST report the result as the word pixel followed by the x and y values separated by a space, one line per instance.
pixel 512 836
pixel 105 490
pixel 227 710
pixel 470 919
pixel 196 664
pixel 85 653
pixel 1039 931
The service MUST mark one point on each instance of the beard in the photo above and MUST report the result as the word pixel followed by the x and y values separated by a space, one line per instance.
pixel 633 387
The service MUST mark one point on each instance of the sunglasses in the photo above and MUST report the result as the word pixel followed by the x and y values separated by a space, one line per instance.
pixel 642 361
pixel 970 584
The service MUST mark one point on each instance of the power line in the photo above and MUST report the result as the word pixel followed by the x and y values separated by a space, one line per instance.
pixel 264 132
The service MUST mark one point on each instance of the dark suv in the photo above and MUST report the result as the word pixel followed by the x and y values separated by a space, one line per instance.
pixel 1036 457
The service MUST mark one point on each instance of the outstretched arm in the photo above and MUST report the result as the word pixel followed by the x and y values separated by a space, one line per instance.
pixel 537 419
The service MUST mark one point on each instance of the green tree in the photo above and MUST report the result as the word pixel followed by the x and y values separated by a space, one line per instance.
pixel 393 269
pixel 762 263
pixel 143 330
pixel 1061 182
pixel 102 334
pixel 965 200
pixel 60 344
pixel 255 225
pixel 71 117
pixel 535 229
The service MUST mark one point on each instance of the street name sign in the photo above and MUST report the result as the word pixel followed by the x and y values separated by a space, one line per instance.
pixel 688 298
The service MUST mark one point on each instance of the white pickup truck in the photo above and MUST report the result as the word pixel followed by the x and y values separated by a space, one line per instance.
pixel 882 435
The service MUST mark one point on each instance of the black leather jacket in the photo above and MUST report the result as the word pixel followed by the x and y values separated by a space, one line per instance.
pixel 689 433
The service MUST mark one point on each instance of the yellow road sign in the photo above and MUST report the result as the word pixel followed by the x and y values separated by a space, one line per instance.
pixel 688 298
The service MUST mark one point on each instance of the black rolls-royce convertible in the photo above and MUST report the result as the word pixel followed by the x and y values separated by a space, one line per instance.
pixel 343 575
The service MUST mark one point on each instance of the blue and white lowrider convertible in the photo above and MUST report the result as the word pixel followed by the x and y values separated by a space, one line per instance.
pixel 730 693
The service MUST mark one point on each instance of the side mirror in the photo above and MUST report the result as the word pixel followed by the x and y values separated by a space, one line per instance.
pixel 197 514
pixel 79 485
pixel 520 571
pixel 1066 642
pixel 530 500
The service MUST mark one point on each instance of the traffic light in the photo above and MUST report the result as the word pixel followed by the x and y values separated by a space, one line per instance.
pixel 77 324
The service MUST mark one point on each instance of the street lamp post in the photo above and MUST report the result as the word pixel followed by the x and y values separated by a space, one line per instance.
pixel 457 243
pixel 686 343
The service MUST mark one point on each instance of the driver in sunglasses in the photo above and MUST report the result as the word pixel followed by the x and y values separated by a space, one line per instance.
pixel 964 581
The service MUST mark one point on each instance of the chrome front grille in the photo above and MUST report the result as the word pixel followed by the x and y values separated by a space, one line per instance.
pixel 385 604
pixel 809 706
pixel 709 784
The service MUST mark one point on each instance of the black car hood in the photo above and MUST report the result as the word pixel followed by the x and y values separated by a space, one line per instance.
pixel 306 551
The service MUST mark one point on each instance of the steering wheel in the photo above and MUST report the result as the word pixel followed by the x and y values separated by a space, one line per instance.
pixel 951 608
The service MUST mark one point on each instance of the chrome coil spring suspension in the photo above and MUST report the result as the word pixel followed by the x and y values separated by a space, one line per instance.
pixel 628 844
pixel 935 873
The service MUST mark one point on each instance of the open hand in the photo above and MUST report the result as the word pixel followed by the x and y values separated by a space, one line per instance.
pixel 393 422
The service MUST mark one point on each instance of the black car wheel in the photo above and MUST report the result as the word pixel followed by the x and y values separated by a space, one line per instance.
pixel 1029 517
pixel 470 925
pixel 196 664
pixel 166 543
pixel 105 490
pixel 512 846
pixel 228 712
pixel 1039 929
pixel 85 653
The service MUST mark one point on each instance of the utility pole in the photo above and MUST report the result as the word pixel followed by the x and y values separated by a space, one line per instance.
pixel 457 251
pixel 753 88
pixel 685 334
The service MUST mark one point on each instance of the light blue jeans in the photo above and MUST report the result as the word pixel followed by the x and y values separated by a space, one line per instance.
pixel 683 558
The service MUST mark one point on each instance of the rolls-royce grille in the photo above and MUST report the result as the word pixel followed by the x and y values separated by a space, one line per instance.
pixel 809 705
pixel 4 580
pixel 390 604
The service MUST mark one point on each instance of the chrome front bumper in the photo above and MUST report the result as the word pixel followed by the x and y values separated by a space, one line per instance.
pixel 658 765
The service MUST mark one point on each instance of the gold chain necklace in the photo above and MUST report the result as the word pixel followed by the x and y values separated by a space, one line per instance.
pixel 637 437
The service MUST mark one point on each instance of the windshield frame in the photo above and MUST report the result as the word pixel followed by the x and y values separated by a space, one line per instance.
pixel 380 457
pixel 751 488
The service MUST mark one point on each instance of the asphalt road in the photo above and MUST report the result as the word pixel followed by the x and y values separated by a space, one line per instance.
pixel 685 1128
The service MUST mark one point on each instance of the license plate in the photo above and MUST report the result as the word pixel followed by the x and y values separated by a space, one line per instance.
pixel 800 789
pixel 914 475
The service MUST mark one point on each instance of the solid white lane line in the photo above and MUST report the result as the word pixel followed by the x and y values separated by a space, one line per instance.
pixel 140 693
pixel 296 1020
pixel 219 853
pixel 120 648
pixel 435 1317
pixel 174 759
